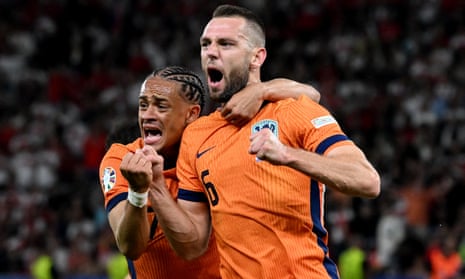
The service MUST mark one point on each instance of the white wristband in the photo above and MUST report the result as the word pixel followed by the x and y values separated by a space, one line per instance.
pixel 137 199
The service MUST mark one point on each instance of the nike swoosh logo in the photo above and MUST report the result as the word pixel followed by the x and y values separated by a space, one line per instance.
pixel 205 151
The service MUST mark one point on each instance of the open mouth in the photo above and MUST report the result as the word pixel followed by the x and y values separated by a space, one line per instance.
pixel 215 75
pixel 152 132
pixel 152 135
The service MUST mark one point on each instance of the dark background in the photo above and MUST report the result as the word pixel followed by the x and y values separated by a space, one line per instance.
pixel 392 72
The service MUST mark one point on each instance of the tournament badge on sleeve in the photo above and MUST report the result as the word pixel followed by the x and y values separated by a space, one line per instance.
pixel 263 124
pixel 109 178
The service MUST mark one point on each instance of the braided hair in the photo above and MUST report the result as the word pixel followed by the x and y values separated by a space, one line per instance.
pixel 192 86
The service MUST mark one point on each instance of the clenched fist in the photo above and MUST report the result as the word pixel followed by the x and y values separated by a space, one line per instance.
pixel 141 168
pixel 268 147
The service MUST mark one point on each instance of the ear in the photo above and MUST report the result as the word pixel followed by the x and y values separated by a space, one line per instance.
pixel 192 113
pixel 258 59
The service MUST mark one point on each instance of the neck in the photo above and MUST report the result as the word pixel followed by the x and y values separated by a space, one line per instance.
pixel 169 164
pixel 170 158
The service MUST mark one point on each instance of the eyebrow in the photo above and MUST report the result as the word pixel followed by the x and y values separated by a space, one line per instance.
pixel 153 98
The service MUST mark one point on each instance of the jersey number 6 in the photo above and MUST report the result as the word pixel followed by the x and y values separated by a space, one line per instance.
pixel 211 191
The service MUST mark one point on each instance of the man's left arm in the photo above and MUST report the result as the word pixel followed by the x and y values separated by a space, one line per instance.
pixel 246 103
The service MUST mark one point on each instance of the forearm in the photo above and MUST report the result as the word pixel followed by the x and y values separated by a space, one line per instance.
pixel 281 88
pixel 131 228
pixel 185 238
pixel 350 174
pixel 246 103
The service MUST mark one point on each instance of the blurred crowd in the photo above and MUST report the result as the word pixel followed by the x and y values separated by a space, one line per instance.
pixel 391 71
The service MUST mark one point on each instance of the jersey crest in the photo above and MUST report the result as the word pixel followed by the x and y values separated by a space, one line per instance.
pixel 109 178
pixel 266 123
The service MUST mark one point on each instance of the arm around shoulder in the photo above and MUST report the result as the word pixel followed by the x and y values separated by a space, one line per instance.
pixel 246 103
pixel 282 88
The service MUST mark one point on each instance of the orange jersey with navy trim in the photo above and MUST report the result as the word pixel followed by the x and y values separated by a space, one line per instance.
pixel 159 260
pixel 267 219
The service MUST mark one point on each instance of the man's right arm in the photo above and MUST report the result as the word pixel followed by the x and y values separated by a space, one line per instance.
pixel 282 88
pixel 186 224
pixel 129 223
pixel 131 229
pixel 246 103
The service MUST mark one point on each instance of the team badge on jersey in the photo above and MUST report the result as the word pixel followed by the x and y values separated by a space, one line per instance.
pixel 266 123
pixel 109 178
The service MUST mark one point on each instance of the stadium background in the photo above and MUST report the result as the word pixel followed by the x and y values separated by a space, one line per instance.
pixel 391 71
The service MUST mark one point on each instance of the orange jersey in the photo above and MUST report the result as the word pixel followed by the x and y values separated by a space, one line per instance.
pixel 268 220
pixel 159 260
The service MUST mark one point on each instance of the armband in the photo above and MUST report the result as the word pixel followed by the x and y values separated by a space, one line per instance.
pixel 137 199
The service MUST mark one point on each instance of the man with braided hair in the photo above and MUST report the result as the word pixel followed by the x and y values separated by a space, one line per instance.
pixel 169 100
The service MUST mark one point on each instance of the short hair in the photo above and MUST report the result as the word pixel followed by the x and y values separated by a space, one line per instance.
pixel 253 21
pixel 193 89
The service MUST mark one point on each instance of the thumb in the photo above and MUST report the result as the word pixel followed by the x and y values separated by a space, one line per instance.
pixel 149 153
pixel 147 149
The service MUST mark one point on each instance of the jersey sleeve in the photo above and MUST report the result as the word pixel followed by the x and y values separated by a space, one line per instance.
pixel 313 126
pixel 190 186
pixel 113 184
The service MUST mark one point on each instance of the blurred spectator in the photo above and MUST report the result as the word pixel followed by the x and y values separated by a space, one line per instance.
pixel 444 258
pixel 418 199
pixel 391 229
pixel 409 259
pixel 42 265
pixel 353 260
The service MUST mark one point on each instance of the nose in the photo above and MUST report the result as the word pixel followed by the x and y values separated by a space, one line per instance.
pixel 210 51
pixel 151 113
